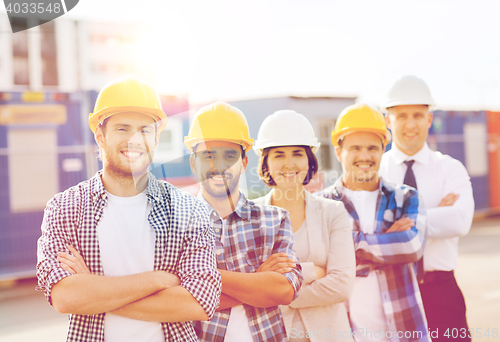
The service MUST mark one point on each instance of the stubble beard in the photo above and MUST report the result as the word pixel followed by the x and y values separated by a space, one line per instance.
pixel 126 172
pixel 227 190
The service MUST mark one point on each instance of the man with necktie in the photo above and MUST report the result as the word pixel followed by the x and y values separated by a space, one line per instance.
pixel 444 185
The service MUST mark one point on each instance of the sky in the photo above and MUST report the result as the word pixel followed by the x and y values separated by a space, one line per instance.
pixel 231 49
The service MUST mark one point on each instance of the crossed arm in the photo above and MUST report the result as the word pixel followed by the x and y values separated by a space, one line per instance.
pixel 261 289
pixel 402 243
pixel 453 216
pixel 149 296
pixel 266 286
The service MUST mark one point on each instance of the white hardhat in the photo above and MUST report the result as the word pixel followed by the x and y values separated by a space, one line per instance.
pixel 285 128
pixel 409 90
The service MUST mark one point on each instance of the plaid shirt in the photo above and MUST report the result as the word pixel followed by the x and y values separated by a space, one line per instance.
pixel 393 256
pixel 184 246
pixel 255 232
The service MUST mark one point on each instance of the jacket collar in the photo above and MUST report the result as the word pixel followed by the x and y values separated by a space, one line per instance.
pixel 310 203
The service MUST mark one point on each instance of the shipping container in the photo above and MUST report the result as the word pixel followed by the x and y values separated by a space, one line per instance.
pixel 493 120
pixel 43 151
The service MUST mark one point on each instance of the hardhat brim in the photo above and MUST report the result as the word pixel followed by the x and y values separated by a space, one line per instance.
pixel 192 142
pixel 156 114
pixel 258 149
pixel 408 103
pixel 336 136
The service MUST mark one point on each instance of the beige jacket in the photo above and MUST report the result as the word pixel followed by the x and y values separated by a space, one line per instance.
pixel 321 302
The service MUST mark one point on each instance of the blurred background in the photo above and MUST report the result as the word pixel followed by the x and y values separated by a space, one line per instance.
pixel 315 57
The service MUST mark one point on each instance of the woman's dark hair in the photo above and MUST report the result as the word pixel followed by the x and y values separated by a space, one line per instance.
pixel 263 168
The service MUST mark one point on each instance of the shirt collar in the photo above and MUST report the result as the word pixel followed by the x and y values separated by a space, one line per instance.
pixel 421 157
pixel 242 209
pixel 96 187
pixel 153 188
pixel 98 190
pixel 338 187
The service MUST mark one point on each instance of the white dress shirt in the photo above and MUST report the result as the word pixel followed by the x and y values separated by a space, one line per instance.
pixel 436 175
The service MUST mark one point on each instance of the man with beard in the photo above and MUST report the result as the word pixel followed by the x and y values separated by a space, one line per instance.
pixel 129 257
pixel 253 242
pixel 388 232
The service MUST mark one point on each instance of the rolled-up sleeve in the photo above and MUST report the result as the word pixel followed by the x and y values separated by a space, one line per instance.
pixel 396 247
pixel 53 240
pixel 283 243
pixel 197 265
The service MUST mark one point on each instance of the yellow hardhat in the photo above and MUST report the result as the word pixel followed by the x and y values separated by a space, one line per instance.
pixel 127 94
pixel 219 121
pixel 360 118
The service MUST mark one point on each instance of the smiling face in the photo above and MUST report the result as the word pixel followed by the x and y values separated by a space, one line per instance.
pixel 288 166
pixel 218 166
pixel 360 154
pixel 410 127
pixel 127 143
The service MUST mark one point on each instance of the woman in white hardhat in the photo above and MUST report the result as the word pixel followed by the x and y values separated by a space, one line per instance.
pixel 322 231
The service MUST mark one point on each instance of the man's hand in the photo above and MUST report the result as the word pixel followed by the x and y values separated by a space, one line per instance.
pixel 320 272
pixel 401 225
pixel 73 264
pixel 448 200
pixel 278 262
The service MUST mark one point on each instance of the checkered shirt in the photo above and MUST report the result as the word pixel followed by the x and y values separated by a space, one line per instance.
pixel 255 231
pixel 393 256
pixel 184 246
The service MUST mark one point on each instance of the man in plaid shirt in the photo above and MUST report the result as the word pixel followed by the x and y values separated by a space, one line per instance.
pixel 388 233
pixel 253 242
pixel 142 262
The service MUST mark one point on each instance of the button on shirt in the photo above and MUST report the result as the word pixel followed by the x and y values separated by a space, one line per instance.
pixel 436 175
pixel 184 246
pixel 253 233
pixel 391 255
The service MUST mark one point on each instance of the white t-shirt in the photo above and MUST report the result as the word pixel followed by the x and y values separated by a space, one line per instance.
pixel 127 246
pixel 238 328
pixel 365 304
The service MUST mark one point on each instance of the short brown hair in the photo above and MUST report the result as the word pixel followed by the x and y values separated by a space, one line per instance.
pixel 263 168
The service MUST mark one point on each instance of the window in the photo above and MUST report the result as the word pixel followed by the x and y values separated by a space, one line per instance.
pixel 327 160
pixel 328 163
pixel 33 168
pixel 49 54
pixel 170 147
pixel 20 52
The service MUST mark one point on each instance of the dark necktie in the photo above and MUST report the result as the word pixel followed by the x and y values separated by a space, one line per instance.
pixel 410 176
pixel 410 180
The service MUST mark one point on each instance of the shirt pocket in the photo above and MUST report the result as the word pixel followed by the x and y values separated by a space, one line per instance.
pixel 257 255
